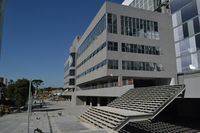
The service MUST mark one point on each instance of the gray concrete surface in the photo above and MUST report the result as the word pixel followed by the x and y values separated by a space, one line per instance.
pixel 49 120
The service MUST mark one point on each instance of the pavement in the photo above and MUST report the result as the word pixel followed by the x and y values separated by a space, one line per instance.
pixel 56 117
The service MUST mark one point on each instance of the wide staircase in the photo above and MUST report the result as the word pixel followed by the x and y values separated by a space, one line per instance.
pixel 103 118
pixel 137 104
pixel 155 127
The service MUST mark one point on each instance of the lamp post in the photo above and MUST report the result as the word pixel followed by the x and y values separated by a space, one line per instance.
pixel 29 106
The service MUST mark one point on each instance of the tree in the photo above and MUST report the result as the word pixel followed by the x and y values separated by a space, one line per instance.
pixel 36 83
pixel 21 92
pixel 11 91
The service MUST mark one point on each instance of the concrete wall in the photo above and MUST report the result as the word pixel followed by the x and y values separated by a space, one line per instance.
pixel 192 82
pixel 106 92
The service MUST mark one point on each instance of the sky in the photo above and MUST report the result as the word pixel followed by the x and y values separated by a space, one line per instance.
pixel 37 35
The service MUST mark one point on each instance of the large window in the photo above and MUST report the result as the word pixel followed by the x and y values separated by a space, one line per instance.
pixel 96 67
pixel 139 27
pixel 185 30
pixel 189 11
pixel 109 20
pixel 141 49
pixel 175 5
pixel 141 66
pixel 112 64
pixel 178 33
pixel 71 81
pixel 98 29
pixel 112 23
pixel 92 54
pixel 197 38
pixel 196 25
pixel 72 72
pixel 112 46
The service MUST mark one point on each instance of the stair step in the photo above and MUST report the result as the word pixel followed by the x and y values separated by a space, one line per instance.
pixel 102 118
pixel 106 116
pixel 99 122
pixel 110 113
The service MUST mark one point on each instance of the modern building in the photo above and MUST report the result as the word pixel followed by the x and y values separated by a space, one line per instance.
pixel 151 5
pixel 70 65
pixel 186 28
pixel 1 21
pixel 123 47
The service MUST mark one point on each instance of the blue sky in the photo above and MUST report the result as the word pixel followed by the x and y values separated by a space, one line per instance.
pixel 38 33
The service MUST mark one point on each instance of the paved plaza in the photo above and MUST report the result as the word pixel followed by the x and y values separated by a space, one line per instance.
pixel 57 117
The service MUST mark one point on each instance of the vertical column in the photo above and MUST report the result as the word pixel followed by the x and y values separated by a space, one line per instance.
pixel 84 101
pixel 120 79
pixel 133 83
pixel 98 101
pixel 90 101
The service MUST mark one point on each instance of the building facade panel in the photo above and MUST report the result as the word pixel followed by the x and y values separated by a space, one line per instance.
pixel 132 46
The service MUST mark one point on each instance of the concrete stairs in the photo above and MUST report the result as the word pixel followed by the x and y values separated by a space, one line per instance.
pixel 137 104
pixel 102 118
pixel 155 127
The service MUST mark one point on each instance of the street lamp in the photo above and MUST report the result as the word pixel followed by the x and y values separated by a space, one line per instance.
pixel 29 105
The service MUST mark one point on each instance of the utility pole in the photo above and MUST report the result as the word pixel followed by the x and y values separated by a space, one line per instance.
pixel 29 105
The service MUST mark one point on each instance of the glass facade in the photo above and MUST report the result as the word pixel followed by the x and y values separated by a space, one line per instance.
pixel 141 66
pixel 139 28
pixel 143 4
pixel 99 65
pixel 108 21
pixel 186 27
pixel 141 49
pixel 98 29
pixel 92 54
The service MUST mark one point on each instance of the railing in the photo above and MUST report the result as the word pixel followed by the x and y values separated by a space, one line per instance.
pixel 107 85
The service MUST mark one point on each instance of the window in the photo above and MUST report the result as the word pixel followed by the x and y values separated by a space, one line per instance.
pixel 99 65
pixel 112 23
pixel 185 30
pixel 196 25
pixel 92 54
pixel 185 62
pixel 98 29
pixel 189 11
pixel 141 49
pixel 123 47
pixel 71 81
pixel 178 33
pixel 122 25
pixel 71 72
pixel 178 4
pixel 112 46
pixel 197 38
pixel 141 66
pixel 112 64
pixel 139 27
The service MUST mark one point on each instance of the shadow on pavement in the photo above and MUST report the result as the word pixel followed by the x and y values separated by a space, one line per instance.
pixel 47 109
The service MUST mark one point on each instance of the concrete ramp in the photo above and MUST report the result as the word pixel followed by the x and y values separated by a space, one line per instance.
pixel 137 104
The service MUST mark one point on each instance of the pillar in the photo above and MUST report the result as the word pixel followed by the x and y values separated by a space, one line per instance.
pixel 90 101
pixel 84 101
pixel 120 81
pixel 98 101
